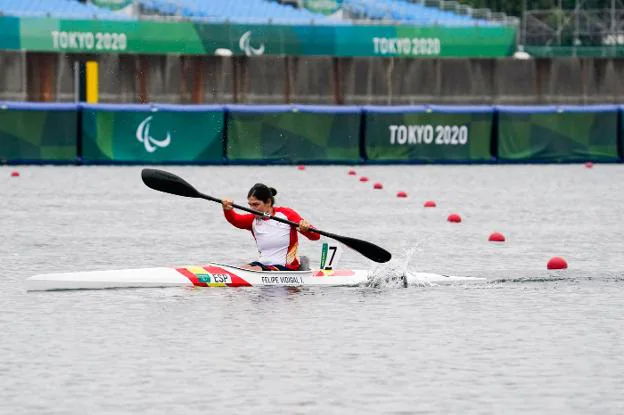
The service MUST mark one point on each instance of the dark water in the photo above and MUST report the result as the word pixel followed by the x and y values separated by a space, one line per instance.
pixel 527 340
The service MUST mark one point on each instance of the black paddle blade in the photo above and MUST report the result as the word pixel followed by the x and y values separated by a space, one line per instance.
pixel 167 182
pixel 368 249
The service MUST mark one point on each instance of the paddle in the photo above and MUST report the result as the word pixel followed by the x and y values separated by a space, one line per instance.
pixel 170 183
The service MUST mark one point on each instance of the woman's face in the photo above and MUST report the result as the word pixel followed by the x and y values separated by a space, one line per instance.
pixel 259 204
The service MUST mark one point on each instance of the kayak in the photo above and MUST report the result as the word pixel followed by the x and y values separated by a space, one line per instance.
pixel 213 275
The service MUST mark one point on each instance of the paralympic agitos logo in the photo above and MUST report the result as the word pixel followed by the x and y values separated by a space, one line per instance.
pixel 151 144
pixel 245 45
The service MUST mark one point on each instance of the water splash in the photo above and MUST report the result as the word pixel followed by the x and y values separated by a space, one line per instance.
pixel 411 279
pixel 386 276
pixel 394 274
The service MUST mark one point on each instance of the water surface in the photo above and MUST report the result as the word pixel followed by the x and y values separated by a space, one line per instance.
pixel 527 340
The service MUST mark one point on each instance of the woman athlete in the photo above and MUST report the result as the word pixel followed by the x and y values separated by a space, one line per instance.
pixel 277 242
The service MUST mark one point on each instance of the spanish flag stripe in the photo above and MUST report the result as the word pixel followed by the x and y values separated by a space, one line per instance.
pixel 192 277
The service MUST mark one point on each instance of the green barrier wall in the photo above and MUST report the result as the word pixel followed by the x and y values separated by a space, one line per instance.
pixel 289 134
pixel 38 133
pixel 98 36
pixel 210 134
pixel 152 134
pixel 558 134
pixel 428 134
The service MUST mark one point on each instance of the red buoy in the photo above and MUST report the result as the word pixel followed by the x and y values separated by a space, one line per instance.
pixel 363 179
pixel 301 167
pixel 401 194
pixel 378 186
pixel 557 263
pixel 589 165
pixel 352 172
pixel 15 173
pixel 430 204
pixel 454 217
pixel 496 237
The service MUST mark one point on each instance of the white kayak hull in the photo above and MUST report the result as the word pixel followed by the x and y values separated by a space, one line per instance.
pixel 211 275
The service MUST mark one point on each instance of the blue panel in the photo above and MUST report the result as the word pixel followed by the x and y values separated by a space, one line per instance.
pixel 394 109
pixel 330 109
pixel 526 109
pixel 259 108
pixel 190 108
pixel 458 109
pixel 120 107
pixel 153 107
pixel 589 108
pixel 37 106
pixel 540 109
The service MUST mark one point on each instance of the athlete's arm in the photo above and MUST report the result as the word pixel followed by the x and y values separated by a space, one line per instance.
pixel 240 221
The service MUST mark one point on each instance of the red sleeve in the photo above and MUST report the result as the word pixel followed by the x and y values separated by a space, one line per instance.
pixel 295 217
pixel 240 221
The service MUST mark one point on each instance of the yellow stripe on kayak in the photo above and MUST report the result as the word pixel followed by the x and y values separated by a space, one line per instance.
pixel 197 270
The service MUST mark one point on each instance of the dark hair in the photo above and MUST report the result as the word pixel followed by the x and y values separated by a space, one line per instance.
pixel 263 192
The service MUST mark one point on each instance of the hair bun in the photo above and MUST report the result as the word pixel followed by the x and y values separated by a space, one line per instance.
pixel 273 191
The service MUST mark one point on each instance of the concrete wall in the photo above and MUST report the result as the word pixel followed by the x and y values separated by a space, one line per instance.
pixel 317 80
pixel 12 76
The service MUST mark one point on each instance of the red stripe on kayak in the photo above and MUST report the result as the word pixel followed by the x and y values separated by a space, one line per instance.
pixel 236 280
pixel 192 277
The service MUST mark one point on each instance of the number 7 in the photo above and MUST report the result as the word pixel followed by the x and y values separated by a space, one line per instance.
pixel 334 249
